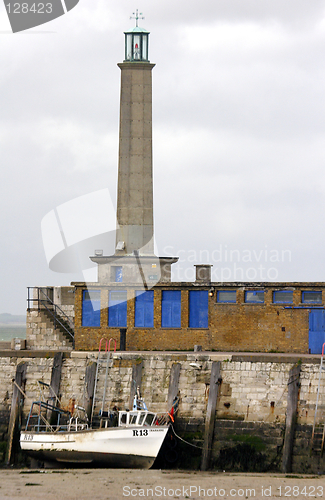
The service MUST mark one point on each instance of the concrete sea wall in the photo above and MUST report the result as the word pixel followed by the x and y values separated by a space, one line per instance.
pixel 251 407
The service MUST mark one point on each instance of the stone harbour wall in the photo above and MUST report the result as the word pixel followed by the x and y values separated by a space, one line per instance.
pixel 251 407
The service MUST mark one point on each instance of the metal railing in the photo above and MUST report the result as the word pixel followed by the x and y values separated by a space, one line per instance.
pixel 45 302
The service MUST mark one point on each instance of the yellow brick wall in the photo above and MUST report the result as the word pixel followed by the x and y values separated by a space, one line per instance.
pixel 232 327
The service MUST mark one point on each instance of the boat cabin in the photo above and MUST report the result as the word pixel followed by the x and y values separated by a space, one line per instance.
pixel 136 418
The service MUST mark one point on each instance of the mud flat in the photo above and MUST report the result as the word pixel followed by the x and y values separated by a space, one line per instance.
pixel 114 484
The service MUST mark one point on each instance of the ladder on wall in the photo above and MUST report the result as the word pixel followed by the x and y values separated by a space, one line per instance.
pixel 104 359
pixel 318 433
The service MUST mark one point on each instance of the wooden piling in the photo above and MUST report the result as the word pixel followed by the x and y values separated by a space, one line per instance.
pixel 16 405
pixel 90 377
pixel 291 417
pixel 210 415
pixel 136 380
pixel 55 385
pixel 173 384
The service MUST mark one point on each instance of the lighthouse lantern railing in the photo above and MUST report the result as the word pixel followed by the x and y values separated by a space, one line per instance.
pixel 136 45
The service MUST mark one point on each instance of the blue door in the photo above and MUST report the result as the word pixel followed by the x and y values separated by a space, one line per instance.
pixel 316 331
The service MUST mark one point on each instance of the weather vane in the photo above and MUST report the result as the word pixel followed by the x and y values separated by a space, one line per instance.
pixel 136 17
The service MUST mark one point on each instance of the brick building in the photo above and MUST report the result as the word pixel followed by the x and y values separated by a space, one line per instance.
pixel 251 317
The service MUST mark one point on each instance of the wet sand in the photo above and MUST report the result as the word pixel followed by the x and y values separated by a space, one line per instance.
pixel 116 484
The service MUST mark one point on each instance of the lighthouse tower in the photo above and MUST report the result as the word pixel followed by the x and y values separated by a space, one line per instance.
pixel 135 189
pixel 134 260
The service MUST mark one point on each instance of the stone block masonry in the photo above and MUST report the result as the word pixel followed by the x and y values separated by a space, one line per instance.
pixel 252 398
pixel 49 315
pixel 41 333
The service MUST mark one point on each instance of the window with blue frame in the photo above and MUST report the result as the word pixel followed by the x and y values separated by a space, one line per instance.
pixel 117 309
pixel 283 297
pixel 199 309
pixel 311 297
pixel 171 309
pixel 254 297
pixel 143 316
pixel 91 308
pixel 226 296
pixel 118 274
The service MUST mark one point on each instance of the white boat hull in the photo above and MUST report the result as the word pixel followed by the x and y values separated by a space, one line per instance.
pixel 113 446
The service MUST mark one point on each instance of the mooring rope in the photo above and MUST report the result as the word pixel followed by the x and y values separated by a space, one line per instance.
pixel 179 437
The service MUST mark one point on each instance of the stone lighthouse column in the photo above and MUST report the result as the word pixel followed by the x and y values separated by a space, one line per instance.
pixel 135 185
pixel 134 261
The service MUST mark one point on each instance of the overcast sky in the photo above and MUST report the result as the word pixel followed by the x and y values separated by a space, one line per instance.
pixel 238 134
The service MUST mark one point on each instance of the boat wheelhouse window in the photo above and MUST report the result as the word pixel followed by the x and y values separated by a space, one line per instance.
pixel 143 316
pixel 254 297
pixel 91 308
pixel 123 418
pixel 117 309
pixel 149 419
pixel 141 419
pixel 133 418
pixel 199 309
pixel 283 297
pixel 171 309
pixel 311 297
pixel 226 296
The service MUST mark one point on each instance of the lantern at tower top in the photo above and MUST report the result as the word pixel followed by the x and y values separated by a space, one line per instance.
pixel 136 42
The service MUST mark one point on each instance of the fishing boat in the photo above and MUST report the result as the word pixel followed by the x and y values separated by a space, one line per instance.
pixel 134 442
pixel 128 439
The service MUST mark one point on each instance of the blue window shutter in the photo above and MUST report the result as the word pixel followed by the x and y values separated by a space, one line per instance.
pixel 199 309
pixel 122 315
pixel 91 308
pixel 166 314
pixel 148 315
pixel 113 316
pixel 144 311
pixel 117 310
pixel 171 309
pixel 176 314
pixel 139 314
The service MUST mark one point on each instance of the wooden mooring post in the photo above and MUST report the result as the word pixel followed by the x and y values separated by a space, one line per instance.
pixel 210 415
pixel 16 406
pixel 136 380
pixel 291 417
pixel 55 385
pixel 173 384
pixel 90 377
